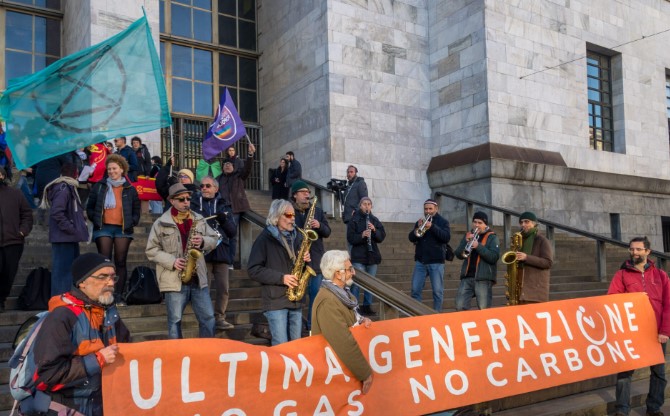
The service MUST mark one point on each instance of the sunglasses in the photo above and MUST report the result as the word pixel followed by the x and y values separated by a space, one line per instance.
pixel 111 277
pixel 289 215
pixel 184 177
pixel 206 185
pixel 184 199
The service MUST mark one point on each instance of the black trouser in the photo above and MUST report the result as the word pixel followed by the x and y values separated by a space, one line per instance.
pixel 9 265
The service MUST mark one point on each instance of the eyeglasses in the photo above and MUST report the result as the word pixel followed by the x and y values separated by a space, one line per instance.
pixel 206 185
pixel 184 199
pixel 289 214
pixel 183 177
pixel 350 269
pixel 111 277
pixel 634 249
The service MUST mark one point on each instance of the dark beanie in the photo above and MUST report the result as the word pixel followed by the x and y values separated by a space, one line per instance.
pixel 87 264
pixel 528 216
pixel 481 216
pixel 298 185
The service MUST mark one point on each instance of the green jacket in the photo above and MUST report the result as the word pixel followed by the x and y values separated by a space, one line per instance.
pixel 489 253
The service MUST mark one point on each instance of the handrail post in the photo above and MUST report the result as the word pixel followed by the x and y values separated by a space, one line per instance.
pixel 246 241
pixel 550 237
pixel 469 212
pixel 387 311
pixel 507 230
pixel 601 260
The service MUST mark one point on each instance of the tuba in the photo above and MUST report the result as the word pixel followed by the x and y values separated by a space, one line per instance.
pixel 192 254
pixel 300 269
pixel 514 276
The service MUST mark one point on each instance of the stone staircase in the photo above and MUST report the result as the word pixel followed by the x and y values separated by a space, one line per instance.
pixel 573 275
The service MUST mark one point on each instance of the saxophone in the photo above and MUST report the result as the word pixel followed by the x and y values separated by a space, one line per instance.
pixel 514 276
pixel 300 269
pixel 192 254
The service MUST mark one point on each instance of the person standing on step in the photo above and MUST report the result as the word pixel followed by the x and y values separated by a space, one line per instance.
pixel 429 236
pixel 67 226
pixel 300 194
pixel 478 272
pixel 356 190
pixel 364 233
pixel 232 189
pixel 534 261
pixel 143 156
pixel 16 222
pixel 294 172
pixel 234 159
pixel 639 274
pixel 129 154
pixel 271 263
pixel 207 202
pixel 172 236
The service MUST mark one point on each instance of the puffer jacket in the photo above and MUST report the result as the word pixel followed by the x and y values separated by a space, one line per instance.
pixel 130 201
pixel 164 247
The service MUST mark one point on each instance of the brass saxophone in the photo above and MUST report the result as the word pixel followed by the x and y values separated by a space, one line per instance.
pixel 513 277
pixel 300 269
pixel 192 254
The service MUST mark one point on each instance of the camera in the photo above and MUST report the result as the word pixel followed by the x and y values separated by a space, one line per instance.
pixel 337 185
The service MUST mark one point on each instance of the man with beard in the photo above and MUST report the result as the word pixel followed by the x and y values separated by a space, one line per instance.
pixel 78 338
pixel 534 261
pixel 301 196
pixel 335 312
pixel 294 169
pixel 639 274
pixel 355 191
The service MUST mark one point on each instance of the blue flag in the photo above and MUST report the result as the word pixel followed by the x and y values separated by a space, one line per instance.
pixel 114 88
pixel 226 129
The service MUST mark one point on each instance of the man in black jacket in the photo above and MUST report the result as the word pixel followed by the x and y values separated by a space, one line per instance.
pixel 143 156
pixel 300 194
pixel 294 169
pixel 355 191
pixel 129 154
pixel 429 236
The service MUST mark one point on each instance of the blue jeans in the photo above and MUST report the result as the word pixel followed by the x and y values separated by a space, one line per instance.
pixel 313 289
pixel 470 288
pixel 656 395
pixel 202 307
pixel 370 269
pixel 436 273
pixel 62 256
pixel 285 324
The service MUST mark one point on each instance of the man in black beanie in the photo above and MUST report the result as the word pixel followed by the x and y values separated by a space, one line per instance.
pixel 479 249
pixel 77 339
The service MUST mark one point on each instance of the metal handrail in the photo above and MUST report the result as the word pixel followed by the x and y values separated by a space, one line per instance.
pixel 601 241
pixel 327 198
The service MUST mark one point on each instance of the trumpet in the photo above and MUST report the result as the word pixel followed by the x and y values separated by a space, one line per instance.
pixel 468 247
pixel 421 231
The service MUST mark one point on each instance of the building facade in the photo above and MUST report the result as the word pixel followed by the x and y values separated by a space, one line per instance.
pixel 555 106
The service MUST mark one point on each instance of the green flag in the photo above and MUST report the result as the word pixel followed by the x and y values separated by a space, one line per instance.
pixel 114 88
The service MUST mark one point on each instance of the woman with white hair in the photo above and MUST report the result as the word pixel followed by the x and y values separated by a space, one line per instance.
pixel 270 263
pixel 334 312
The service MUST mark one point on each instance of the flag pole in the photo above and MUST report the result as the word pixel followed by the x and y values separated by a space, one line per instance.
pixel 171 150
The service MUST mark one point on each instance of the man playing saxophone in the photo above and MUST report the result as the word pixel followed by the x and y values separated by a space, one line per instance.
pixel 315 219
pixel 176 241
pixel 478 272
pixel 271 263
pixel 534 261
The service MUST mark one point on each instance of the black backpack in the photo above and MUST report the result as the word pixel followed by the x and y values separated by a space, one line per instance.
pixel 37 291
pixel 142 287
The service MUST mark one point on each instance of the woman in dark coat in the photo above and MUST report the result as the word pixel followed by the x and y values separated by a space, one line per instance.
pixel 114 208
pixel 278 181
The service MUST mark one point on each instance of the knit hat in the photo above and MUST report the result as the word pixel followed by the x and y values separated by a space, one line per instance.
pixel 430 201
pixel 188 173
pixel 87 264
pixel 481 216
pixel 177 189
pixel 528 216
pixel 297 186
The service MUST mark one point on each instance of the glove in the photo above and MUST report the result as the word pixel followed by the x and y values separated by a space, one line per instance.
pixel 222 218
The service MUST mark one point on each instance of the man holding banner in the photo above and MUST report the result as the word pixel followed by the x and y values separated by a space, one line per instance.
pixel 639 274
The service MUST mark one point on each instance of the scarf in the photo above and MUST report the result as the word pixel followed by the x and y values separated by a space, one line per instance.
pixel 342 294
pixel 286 238
pixel 528 239
pixel 46 204
pixel 110 201
pixel 184 222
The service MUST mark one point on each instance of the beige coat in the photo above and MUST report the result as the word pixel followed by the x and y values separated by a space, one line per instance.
pixel 164 247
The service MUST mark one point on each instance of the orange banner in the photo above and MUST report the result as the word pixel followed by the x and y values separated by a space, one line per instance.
pixel 421 365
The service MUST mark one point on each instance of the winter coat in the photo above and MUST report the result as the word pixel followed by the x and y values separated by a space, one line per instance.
pixel 65 350
pixel 133 166
pixel 16 217
pixel 536 270
pixel 164 180
pixel 486 255
pixel 294 172
pixel 316 249
pixel 143 160
pixel 231 187
pixel 654 282
pixel 224 224
pixel 67 223
pixel 359 245
pixel 268 263
pixel 429 249
pixel 130 202
pixel 353 194
pixel 49 169
pixel 164 246
pixel 278 182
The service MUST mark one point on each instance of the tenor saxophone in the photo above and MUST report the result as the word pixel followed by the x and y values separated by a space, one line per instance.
pixel 300 269
pixel 192 253
pixel 514 276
